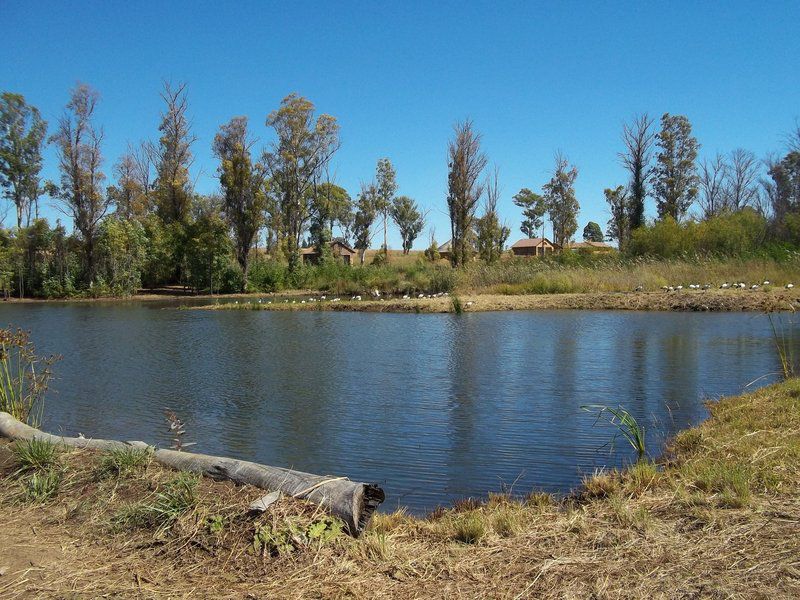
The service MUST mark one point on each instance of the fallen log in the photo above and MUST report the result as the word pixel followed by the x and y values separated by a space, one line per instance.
pixel 350 501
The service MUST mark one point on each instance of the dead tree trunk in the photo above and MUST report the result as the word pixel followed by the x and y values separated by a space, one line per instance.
pixel 350 501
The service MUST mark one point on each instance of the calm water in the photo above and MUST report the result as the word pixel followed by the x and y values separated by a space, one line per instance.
pixel 432 407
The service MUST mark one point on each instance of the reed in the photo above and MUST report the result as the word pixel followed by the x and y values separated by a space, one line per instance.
pixel 783 337
pixel 626 424
pixel 24 377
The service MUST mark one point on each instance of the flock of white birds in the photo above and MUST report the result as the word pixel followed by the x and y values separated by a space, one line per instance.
pixel 739 285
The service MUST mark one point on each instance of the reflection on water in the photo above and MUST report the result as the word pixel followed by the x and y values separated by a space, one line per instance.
pixel 433 407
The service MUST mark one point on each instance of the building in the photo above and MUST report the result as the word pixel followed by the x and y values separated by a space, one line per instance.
pixel 534 247
pixel 601 247
pixel 339 249
pixel 445 250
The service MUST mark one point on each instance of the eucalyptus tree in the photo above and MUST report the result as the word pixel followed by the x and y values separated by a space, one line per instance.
pixel 618 227
pixel 712 178
pixel 562 205
pixel 386 189
pixel 330 205
pixel 674 177
pixel 741 185
pixel 410 221
pixel 172 157
pixel 638 138
pixel 243 183
pixel 363 219
pixel 466 163
pixel 131 194
pixel 80 160
pixel 303 148
pixel 22 132
pixel 533 210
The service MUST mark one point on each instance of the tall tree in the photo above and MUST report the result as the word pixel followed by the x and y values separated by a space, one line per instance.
pixel 712 180
pixel 618 227
pixel 410 221
pixel 386 188
pixel 80 160
pixel 172 157
pixel 490 234
pixel 638 138
pixel 303 148
pixel 741 185
pixel 466 164
pixel 364 218
pixel 22 132
pixel 330 205
pixel 562 205
pixel 533 209
pixel 785 186
pixel 675 175
pixel 243 184
pixel 592 232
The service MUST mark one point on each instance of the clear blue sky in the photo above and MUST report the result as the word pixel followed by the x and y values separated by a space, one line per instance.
pixel 535 77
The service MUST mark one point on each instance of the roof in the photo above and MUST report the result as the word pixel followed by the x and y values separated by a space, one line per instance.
pixel 579 245
pixel 336 242
pixel 532 243
pixel 446 247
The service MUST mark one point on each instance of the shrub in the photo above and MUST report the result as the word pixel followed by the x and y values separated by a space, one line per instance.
pixel 24 376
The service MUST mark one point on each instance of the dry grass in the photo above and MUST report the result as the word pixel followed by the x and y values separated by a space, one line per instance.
pixel 719 518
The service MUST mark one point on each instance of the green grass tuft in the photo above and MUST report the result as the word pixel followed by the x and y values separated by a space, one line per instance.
pixel 36 455
pixel 123 462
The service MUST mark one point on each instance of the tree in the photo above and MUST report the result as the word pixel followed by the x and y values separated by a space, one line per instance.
pixel 243 185
pixel 674 177
pixel 330 204
pixel 172 157
pixel 562 205
pixel 533 209
pixel 363 220
pixel 80 160
pixel 592 232
pixel 618 227
pixel 208 245
pixel 712 179
pixel 302 150
pixel 491 236
pixel 638 138
pixel 22 132
pixel 741 184
pixel 386 188
pixel 131 195
pixel 466 164
pixel 409 220
pixel 121 245
pixel 785 192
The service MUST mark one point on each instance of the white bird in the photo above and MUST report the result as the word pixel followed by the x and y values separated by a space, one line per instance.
pixel 358 297
pixel 680 287
pixel 724 286
pixel 639 288
pixel 406 296
pixel 322 297
pixel 302 301
pixel 754 286
pixel 789 286
pixel 469 304
pixel 707 286
pixel 765 283
pixel 421 296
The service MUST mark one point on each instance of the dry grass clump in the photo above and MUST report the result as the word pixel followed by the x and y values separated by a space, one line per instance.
pixel 719 518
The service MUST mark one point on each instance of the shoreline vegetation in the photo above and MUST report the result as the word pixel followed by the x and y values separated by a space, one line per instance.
pixel 717 516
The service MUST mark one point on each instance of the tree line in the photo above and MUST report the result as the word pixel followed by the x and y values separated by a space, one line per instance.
pixel 146 225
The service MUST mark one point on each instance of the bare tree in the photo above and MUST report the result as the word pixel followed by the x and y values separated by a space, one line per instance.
pixel 466 164
pixel 741 185
pixel 713 177
pixel 80 160
pixel 638 138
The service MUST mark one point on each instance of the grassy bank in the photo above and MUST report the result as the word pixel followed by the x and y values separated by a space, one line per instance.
pixel 717 518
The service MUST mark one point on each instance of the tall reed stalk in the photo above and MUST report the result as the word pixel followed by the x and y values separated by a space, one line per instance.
pixel 783 337
pixel 24 376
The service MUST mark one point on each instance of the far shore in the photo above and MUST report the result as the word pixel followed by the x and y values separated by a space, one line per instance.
pixel 762 300
pixel 765 299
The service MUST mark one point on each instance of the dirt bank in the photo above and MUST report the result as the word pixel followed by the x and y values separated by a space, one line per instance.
pixel 718 519
pixel 685 300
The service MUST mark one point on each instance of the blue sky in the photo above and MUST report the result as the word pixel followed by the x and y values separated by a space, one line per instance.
pixel 535 77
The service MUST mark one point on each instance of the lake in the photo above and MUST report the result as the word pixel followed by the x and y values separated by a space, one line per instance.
pixel 432 407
